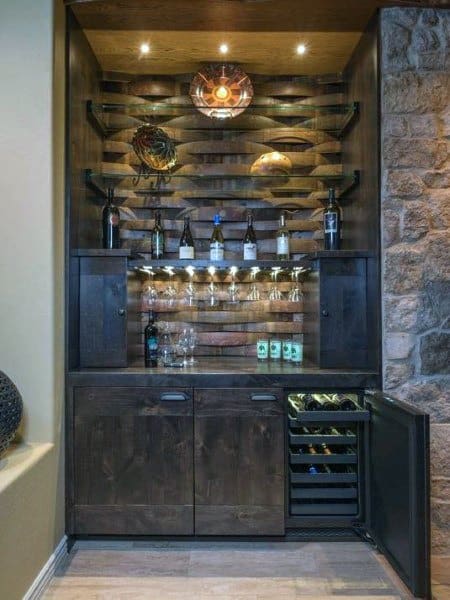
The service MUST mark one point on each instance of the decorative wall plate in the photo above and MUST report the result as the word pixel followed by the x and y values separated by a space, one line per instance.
pixel 272 163
pixel 221 91
pixel 154 148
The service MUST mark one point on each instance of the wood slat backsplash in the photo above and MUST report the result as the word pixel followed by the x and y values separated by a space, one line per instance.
pixel 228 148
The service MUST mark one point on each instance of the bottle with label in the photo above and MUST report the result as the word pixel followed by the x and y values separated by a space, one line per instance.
pixel 216 245
pixel 250 248
pixel 332 223
pixel 151 342
pixel 283 239
pixel 110 223
pixel 186 250
pixel 158 237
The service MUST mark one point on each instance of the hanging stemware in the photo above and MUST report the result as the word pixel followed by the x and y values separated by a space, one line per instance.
pixel 274 292
pixel 295 293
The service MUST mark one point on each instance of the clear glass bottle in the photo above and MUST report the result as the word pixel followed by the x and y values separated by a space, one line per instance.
pixel 283 239
pixel 186 247
pixel 216 246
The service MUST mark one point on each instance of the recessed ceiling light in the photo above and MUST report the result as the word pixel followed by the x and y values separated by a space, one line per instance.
pixel 301 49
pixel 223 48
pixel 145 48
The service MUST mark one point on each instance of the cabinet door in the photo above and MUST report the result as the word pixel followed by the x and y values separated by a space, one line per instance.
pixel 239 462
pixel 344 313
pixel 133 461
pixel 397 454
pixel 103 321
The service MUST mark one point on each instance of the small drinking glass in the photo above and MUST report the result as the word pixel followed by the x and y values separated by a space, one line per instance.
pixel 233 289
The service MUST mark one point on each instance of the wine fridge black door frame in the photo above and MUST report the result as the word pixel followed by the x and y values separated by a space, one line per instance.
pixel 397 455
pixel 391 477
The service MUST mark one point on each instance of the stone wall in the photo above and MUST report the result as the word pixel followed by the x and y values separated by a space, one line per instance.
pixel 415 206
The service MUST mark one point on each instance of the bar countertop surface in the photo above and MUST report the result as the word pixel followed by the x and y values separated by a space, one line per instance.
pixel 214 372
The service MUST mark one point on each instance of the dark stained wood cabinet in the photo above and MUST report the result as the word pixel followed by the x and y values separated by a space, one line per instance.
pixel 239 462
pixel 133 461
pixel 103 311
pixel 341 331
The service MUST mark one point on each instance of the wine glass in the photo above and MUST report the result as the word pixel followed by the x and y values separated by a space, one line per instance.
pixel 212 288
pixel 190 291
pixel 233 289
pixel 296 294
pixel 253 293
pixel 166 347
pixel 274 292
pixel 171 291
pixel 184 344
pixel 193 339
pixel 150 295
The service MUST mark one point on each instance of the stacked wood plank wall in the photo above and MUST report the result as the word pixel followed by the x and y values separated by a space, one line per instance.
pixel 224 148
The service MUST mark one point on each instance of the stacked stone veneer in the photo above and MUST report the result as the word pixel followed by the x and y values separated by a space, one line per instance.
pixel 415 207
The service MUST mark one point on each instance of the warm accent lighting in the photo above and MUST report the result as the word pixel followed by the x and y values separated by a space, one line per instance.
pixel 301 49
pixel 145 48
pixel 221 91
pixel 223 48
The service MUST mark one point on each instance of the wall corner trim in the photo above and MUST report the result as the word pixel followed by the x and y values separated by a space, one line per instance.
pixel 43 578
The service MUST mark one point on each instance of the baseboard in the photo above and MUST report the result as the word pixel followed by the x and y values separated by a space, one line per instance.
pixel 38 586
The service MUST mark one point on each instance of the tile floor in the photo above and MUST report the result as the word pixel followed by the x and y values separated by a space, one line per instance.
pixel 440 579
pixel 225 571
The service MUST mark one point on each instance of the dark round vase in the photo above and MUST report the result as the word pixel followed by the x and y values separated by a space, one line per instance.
pixel 11 408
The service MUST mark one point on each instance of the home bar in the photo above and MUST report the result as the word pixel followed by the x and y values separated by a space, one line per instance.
pixel 223 281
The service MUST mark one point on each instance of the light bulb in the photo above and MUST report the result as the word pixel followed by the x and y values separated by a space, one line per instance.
pixel 222 92
pixel 145 48
pixel 223 48
pixel 301 49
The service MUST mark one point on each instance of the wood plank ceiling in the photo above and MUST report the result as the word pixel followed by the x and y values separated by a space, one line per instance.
pixel 262 34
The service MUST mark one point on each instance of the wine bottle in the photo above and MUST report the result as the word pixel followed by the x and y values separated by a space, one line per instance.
pixel 348 403
pixel 216 245
pixel 314 402
pixel 186 250
pixel 283 239
pixel 311 449
pixel 110 222
pixel 157 237
pixel 250 248
pixel 332 223
pixel 296 401
pixel 151 342
pixel 325 449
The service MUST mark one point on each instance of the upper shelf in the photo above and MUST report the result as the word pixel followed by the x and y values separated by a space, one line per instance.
pixel 333 119
pixel 226 182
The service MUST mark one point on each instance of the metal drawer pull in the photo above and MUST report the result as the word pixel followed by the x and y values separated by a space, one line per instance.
pixel 173 397
pixel 263 397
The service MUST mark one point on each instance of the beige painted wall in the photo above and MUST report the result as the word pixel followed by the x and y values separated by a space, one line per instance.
pixel 31 282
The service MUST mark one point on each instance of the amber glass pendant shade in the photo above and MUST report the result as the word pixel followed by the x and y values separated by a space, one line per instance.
pixel 221 91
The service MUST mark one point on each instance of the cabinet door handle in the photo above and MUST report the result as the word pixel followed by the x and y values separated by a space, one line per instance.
pixel 174 397
pixel 263 397
pixel 121 312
